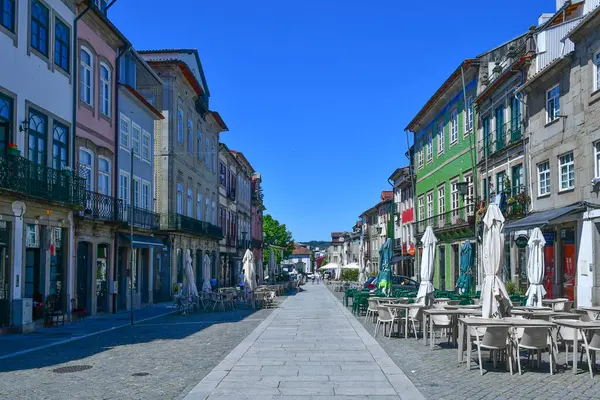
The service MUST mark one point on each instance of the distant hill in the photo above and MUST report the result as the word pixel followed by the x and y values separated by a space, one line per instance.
pixel 317 243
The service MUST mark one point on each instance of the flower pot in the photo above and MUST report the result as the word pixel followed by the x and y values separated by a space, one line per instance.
pixel 12 151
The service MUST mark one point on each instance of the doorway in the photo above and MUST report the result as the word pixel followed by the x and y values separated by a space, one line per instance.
pixel 455 263
pixel 102 278
pixel 144 275
pixel 82 275
pixel 4 287
pixel 442 267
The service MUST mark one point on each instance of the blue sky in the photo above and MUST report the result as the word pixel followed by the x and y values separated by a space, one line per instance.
pixel 316 94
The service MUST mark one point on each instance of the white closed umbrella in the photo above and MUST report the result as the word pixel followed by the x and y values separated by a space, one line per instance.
pixel 362 274
pixel 535 269
pixel 271 266
pixel 260 271
pixel 493 291
pixel 426 287
pixel 249 271
pixel 190 286
pixel 338 272
pixel 206 287
pixel 369 267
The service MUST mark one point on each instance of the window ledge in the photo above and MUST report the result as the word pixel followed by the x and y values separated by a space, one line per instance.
pixel 88 106
pixel 554 121
pixel 125 148
pixel 10 34
pixel 563 191
pixel 543 196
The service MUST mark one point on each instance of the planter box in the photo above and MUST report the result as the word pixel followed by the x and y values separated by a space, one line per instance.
pixel 14 152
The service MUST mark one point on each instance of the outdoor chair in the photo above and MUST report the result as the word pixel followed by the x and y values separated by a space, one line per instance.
pixel 535 338
pixel 565 335
pixel 563 307
pixel 52 312
pixel 77 313
pixel 592 344
pixel 496 340
pixel 372 309
pixel 385 317
pixel 443 322
pixel 415 316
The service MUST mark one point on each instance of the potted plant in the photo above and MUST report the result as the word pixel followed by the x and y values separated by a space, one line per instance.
pixel 13 150
pixel 66 170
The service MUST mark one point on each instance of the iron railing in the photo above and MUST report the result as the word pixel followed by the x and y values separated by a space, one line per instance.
pixel 451 219
pixel 178 222
pixel 101 206
pixel 21 175
pixel 505 135
pixel 142 218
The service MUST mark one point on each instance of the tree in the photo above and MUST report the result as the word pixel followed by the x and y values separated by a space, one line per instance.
pixel 276 234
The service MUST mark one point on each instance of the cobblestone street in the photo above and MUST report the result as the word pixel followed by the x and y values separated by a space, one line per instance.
pixel 438 375
pixel 160 359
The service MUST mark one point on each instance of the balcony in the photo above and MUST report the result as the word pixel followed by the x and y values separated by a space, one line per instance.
pixel 102 207
pixel 178 222
pixel 517 204
pixel 142 218
pixel 507 135
pixel 452 220
pixel 20 175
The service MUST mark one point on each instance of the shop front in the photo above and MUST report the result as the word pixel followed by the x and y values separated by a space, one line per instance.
pixel 4 274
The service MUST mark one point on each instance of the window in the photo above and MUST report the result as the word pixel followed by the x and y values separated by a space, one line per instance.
pixel 214 214
pixel 86 81
pixel 429 148
pixel 145 195
pixel 566 166
pixel 441 137
pixel 500 182
pixel 453 127
pixel 596 70
pixel 597 159
pixel 103 176
pixel 500 133
pixel 179 198
pixel 190 203
pixel 7 14
pixel 420 154
pixel 124 187
pixel 146 145
pixel 206 153
pixel 470 199
pixel 553 103
pixel 105 81
pixel 486 136
pixel 136 132
pixel 469 119
pixel 136 192
pixel 429 204
pixel 37 137
pixel 214 157
pixel 222 174
pixel 517 179
pixel 179 125
pixel 86 166
pixel 199 142
pixel 454 197
pixel 421 208
pixel 124 132
pixel 39 27
pixel 199 204
pixel 62 38
pixel 207 209
pixel 6 119
pixel 60 142
pixel 190 136
pixel 543 178
pixel 441 202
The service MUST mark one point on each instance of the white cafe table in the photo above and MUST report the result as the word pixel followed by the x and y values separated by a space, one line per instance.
pixel 580 327
pixel 553 302
pixel 593 312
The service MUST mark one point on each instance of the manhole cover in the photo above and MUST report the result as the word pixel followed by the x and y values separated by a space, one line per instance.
pixel 71 368
pixel 141 374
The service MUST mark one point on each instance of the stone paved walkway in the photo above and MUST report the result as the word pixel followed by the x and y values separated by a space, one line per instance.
pixel 310 347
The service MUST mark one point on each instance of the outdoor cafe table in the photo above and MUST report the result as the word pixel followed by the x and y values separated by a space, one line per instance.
pixel 543 313
pixel 405 307
pixel 463 323
pixel 465 307
pixel 593 312
pixel 553 302
pixel 452 313
pixel 580 327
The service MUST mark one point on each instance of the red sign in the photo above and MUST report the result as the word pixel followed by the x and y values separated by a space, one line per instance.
pixel 408 215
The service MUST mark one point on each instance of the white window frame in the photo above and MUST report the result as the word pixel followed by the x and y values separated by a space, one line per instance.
pixel 597 159
pixel 214 213
pixel 105 86
pixel 429 147
pixel 596 62
pixel 420 155
pixel 214 157
pixel 146 153
pixel 126 135
pixel 145 197
pixel 190 202
pixel 454 197
pixel 468 177
pixel 199 204
pixel 190 136
pixel 544 175
pixel 207 158
pixel 429 204
pixel 180 124
pixel 179 199
pixel 137 184
pixel 90 70
pixel 207 208
pixel 453 127
pixel 441 192
pixel 124 195
pixel 567 165
pixel 469 115
pixel 556 100
pixel 90 166
pixel 441 137
pixel 199 141
pixel 421 207
pixel 136 142
pixel 106 174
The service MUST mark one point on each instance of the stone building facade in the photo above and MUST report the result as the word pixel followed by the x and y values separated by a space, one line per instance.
pixel 231 257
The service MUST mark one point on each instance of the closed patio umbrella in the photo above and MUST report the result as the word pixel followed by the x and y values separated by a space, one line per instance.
pixel 260 272
pixel 384 281
pixel 362 274
pixel 249 271
pixel 535 269
pixel 494 297
pixel 426 287
pixel 271 266
pixel 190 286
pixel 465 280
pixel 206 287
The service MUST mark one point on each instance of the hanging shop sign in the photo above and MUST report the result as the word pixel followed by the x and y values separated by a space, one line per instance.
pixel 521 241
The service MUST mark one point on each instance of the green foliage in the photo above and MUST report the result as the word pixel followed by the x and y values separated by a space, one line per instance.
pixel 325 261
pixel 511 288
pixel 278 235
pixel 350 275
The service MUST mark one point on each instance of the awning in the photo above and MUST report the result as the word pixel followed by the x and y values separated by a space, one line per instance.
pixel 142 241
pixel 542 218
pixel 400 258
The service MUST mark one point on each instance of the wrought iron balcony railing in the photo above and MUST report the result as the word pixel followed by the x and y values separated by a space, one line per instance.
pixel 505 135
pixel 21 175
pixel 178 222
pixel 101 206
pixel 142 218
pixel 459 217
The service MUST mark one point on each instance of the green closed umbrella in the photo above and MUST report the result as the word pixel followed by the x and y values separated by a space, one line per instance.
pixel 465 280
pixel 385 270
